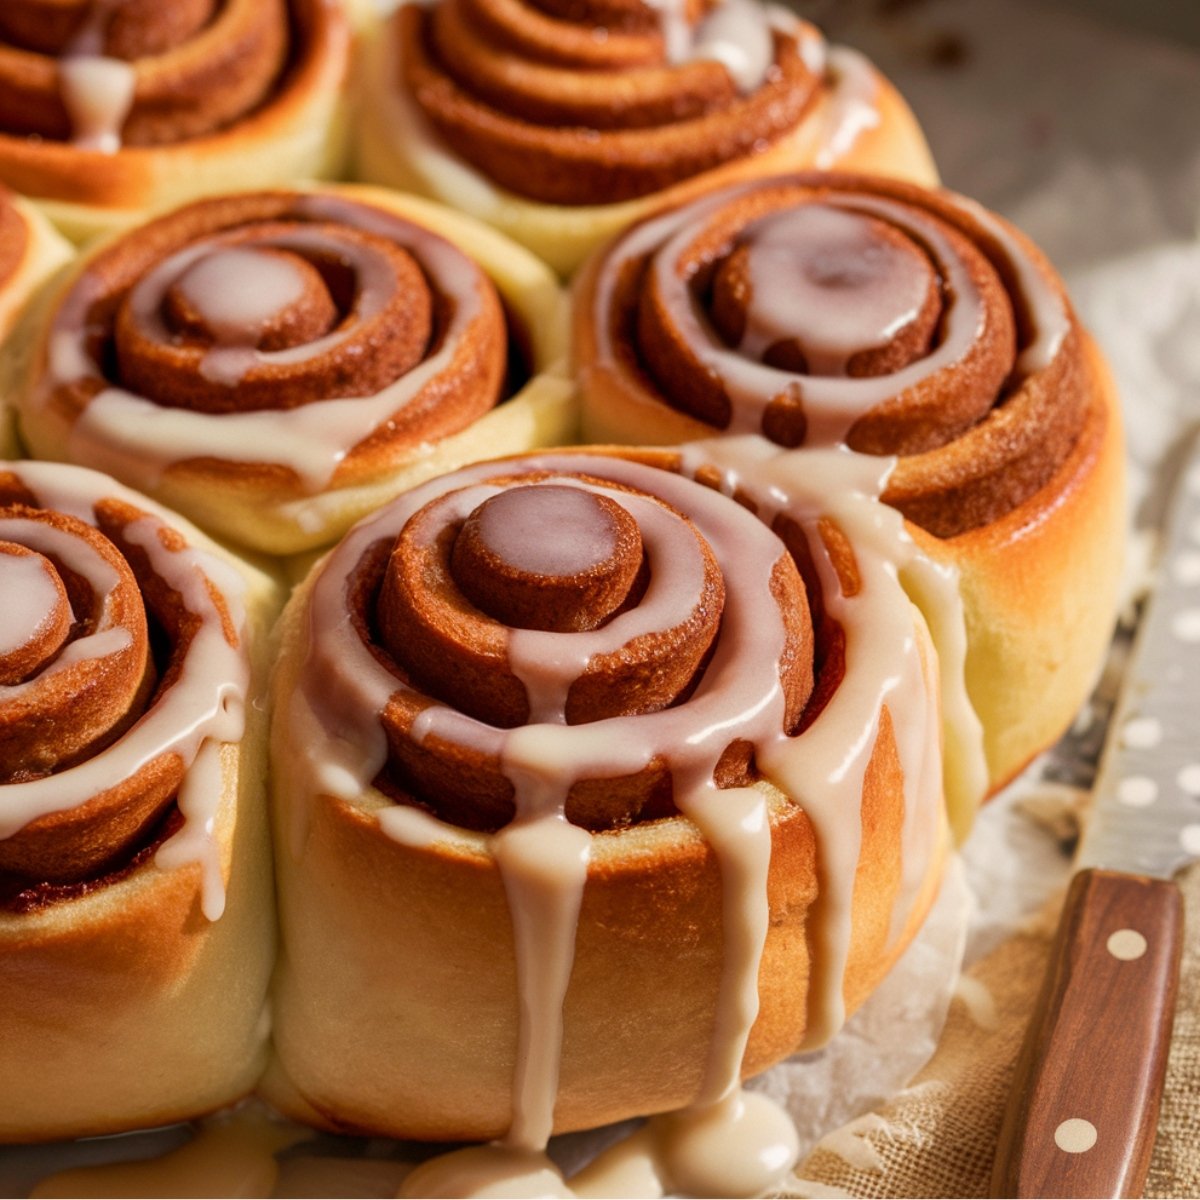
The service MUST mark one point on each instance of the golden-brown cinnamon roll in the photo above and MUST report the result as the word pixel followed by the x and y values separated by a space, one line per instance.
pixel 109 110
pixel 906 324
pixel 276 364
pixel 136 926
pixel 594 790
pixel 561 123
pixel 30 252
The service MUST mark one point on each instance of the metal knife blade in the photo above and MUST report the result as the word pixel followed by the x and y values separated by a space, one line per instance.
pixel 1084 1103
pixel 1146 807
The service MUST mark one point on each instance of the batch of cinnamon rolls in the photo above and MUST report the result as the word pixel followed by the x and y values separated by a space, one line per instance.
pixel 530 527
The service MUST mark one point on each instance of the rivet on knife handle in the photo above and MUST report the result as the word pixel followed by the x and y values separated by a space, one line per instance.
pixel 1084 1103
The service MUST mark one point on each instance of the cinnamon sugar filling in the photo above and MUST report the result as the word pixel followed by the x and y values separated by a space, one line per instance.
pixel 445 606
pixel 107 617
pixel 820 310
pixel 587 103
pixel 21 895
pixel 356 333
pixel 192 68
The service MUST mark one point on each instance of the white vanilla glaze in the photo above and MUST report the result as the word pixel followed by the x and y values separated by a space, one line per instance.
pixel 97 90
pixel 819 277
pixel 675 28
pixel 137 440
pixel 107 636
pixel 232 1155
pixel 853 107
pixel 90 36
pixel 238 296
pixel 516 527
pixel 735 33
pixel 548 663
pixel 1042 306
pixel 97 93
pixel 832 402
pixel 237 291
pixel 202 708
pixel 337 746
pixel 881 660
pixel 29 595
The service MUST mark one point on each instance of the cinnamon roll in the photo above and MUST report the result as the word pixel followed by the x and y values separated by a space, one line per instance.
pixel 112 108
pixel 560 123
pixel 908 325
pixel 594 791
pixel 136 925
pixel 276 364
pixel 30 252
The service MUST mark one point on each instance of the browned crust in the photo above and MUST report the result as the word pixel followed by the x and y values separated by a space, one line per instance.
pixel 148 1012
pixel 14 239
pixel 123 1006
pixel 1040 587
pixel 30 251
pixel 563 235
pixel 425 963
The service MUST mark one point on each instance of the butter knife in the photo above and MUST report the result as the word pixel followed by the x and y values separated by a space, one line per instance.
pixel 1084 1102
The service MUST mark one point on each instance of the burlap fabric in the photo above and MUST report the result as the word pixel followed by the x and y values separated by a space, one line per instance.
pixel 938 1136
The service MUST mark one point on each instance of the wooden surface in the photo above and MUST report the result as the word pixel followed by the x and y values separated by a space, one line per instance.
pixel 1084 1101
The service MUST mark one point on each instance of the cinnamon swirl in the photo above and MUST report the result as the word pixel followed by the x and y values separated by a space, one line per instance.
pixel 136 926
pixel 593 791
pixel 562 123
pixel 112 108
pixel 276 364
pixel 912 326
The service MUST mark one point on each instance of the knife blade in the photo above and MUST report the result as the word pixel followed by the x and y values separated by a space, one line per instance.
pixel 1084 1102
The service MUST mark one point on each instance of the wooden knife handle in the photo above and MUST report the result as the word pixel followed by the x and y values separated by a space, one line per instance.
pixel 1084 1102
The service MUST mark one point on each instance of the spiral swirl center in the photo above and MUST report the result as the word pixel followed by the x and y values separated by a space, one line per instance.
pixel 84 667
pixel 35 618
pixel 550 557
pixel 255 296
pixel 827 292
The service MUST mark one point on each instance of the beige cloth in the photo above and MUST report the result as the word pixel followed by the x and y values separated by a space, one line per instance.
pixel 938 1136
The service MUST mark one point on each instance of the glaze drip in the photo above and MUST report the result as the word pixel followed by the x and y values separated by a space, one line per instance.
pixel 98 94
pixel 542 858
pixel 105 76
pixel 736 34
